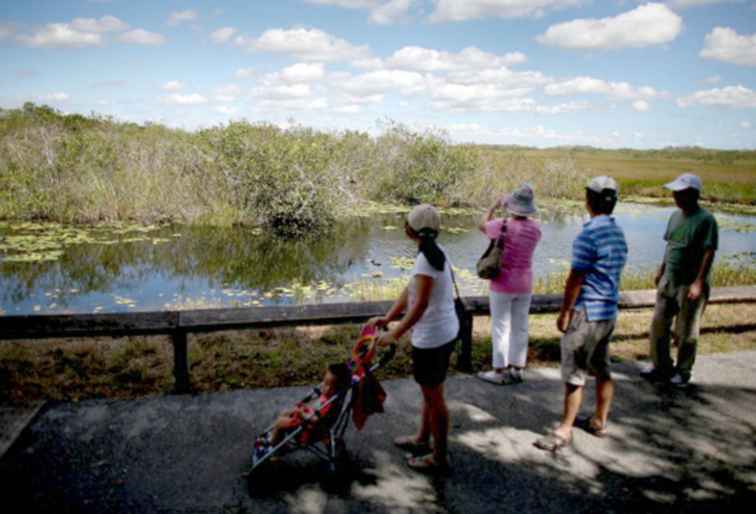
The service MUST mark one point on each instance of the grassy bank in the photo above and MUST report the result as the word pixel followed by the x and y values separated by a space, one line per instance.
pixel 132 367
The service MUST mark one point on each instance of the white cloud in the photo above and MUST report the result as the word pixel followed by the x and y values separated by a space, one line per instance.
pixel 142 37
pixel 303 72
pixel 378 82
pixel 227 93
pixel 348 109
pixel 745 125
pixel 730 96
pixel 712 79
pixel 646 25
pixel 461 10
pixel 244 73
pixel 105 24
pixel 590 85
pixel 222 35
pixel 425 59
pixel 177 17
pixel 55 35
pixel 306 44
pixel 283 91
pixel 56 97
pixel 370 63
pixel 390 12
pixel 193 99
pixel 641 105
pixel 294 104
pixel 487 99
pixel 502 77
pixel 724 44
pixel 382 12
pixel 225 109
pixel 173 86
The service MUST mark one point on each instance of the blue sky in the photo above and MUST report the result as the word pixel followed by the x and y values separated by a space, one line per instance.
pixel 607 73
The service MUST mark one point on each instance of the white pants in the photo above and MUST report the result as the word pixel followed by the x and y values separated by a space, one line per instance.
pixel 509 328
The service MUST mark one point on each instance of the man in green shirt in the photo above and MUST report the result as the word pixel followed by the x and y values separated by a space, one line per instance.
pixel 682 283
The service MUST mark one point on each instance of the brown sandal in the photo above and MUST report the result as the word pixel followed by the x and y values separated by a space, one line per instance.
pixel 590 426
pixel 552 442
pixel 427 463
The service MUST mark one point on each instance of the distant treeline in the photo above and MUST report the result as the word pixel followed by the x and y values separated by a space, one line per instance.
pixel 89 169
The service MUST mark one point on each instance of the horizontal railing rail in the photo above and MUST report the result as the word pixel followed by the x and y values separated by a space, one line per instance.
pixel 179 324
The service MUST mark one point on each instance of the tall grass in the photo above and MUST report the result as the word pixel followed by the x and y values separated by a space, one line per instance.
pixel 72 168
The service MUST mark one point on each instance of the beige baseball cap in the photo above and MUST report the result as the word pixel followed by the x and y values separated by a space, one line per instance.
pixel 424 216
pixel 598 184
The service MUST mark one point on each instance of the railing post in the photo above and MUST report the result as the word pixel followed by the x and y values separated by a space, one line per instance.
pixel 180 362
pixel 464 359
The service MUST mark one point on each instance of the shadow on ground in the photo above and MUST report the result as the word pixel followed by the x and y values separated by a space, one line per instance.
pixel 668 450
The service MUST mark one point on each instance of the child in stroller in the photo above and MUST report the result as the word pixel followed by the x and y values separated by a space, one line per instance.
pixel 347 390
pixel 337 377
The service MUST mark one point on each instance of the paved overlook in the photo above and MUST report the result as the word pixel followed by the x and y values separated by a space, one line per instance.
pixel 669 450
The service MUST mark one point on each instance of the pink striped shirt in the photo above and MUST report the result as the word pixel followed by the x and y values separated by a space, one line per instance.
pixel 520 241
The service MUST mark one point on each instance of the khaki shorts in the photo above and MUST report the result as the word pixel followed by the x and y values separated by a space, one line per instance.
pixel 585 349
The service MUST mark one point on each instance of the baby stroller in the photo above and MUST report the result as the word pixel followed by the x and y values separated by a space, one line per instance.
pixel 324 436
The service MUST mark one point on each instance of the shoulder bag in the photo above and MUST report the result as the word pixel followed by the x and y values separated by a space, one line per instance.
pixel 489 264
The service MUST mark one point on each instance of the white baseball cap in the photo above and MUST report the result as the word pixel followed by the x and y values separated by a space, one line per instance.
pixel 598 184
pixel 685 181
pixel 424 216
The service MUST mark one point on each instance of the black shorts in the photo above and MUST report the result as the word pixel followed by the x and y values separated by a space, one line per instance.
pixel 429 365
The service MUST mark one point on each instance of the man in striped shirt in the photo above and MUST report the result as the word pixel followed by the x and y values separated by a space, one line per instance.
pixel 589 312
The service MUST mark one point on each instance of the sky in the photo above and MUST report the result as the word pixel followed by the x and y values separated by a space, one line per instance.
pixel 605 73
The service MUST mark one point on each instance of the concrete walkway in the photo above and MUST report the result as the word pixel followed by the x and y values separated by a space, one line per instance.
pixel 668 450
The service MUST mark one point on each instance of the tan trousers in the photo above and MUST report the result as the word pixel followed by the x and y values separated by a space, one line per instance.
pixel 672 303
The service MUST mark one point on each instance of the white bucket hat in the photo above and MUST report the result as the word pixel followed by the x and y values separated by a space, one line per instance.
pixel 520 201
pixel 424 216
pixel 685 181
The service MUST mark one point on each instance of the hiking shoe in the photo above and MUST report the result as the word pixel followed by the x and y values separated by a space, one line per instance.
pixel 492 376
pixel 511 377
pixel 516 374
pixel 680 380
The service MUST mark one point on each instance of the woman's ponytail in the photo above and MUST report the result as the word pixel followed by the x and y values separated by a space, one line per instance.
pixel 430 249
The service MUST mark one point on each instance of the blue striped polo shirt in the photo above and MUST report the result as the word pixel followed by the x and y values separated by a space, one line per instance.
pixel 601 251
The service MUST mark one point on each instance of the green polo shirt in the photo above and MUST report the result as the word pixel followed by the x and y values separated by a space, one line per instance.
pixel 687 238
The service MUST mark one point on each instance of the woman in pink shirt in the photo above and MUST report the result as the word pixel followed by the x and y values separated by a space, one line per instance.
pixel 512 288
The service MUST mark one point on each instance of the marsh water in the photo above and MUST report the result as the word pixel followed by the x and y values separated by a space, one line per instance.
pixel 59 269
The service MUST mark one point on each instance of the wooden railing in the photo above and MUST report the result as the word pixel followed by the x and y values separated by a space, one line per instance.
pixel 179 324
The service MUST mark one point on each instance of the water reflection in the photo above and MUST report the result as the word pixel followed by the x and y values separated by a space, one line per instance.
pixel 194 267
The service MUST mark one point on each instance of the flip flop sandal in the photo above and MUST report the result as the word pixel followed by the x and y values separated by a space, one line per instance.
pixel 427 463
pixel 552 442
pixel 410 444
pixel 588 425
